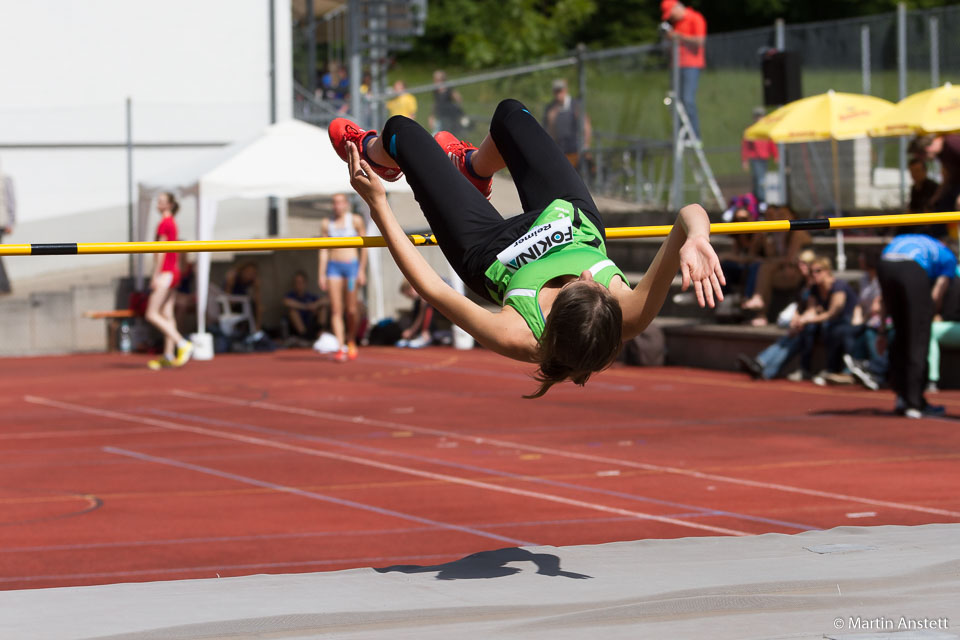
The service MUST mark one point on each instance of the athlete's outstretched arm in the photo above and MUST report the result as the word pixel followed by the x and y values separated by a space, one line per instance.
pixel 498 332
pixel 688 249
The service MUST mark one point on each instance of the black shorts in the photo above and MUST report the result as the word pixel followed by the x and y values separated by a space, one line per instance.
pixel 468 228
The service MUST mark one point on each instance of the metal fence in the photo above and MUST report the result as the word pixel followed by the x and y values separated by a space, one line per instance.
pixel 625 90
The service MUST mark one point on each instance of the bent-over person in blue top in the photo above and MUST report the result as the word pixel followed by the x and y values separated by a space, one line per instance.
pixel 914 273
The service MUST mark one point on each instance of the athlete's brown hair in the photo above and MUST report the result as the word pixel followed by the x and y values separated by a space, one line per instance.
pixel 582 334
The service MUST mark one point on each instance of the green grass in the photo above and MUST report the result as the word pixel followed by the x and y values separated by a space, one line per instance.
pixel 625 98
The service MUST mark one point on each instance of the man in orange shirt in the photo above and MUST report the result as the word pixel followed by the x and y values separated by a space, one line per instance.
pixel 690 30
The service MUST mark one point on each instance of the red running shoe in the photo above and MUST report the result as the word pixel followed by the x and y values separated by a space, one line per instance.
pixel 342 131
pixel 456 150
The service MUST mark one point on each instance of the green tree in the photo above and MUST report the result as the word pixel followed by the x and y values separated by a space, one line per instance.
pixel 484 33
pixel 621 23
pixel 728 16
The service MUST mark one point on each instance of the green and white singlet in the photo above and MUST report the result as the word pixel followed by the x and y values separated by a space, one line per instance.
pixel 560 242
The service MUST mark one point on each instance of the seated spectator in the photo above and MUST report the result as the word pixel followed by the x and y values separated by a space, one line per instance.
pixel 922 194
pixel 746 201
pixel 185 296
pixel 305 312
pixel 244 280
pixel 334 84
pixel 922 189
pixel 418 333
pixel 867 361
pixel 946 198
pixel 946 149
pixel 829 314
pixel 742 263
pixel 769 363
pixel 944 332
pixel 780 271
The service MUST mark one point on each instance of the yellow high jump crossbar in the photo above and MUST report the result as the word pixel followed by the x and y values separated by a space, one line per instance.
pixel 614 233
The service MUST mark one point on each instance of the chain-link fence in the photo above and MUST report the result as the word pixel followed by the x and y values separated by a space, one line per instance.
pixel 624 91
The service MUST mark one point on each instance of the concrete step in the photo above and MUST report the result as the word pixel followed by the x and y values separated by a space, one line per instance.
pixel 728 312
pixel 50 322
pixel 705 345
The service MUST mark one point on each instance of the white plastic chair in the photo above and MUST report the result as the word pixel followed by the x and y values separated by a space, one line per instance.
pixel 233 311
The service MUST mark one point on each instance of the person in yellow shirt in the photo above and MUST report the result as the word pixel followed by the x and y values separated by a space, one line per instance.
pixel 404 103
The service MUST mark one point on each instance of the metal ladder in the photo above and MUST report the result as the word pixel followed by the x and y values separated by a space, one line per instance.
pixel 686 138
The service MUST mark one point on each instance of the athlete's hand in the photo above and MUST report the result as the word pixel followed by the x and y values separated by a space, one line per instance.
pixel 362 178
pixel 700 265
pixel 323 283
pixel 361 279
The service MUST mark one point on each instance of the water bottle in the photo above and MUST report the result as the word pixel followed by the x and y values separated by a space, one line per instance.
pixel 126 337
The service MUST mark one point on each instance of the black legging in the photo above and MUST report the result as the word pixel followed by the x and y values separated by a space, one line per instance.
pixel 906 289
pixel 469 229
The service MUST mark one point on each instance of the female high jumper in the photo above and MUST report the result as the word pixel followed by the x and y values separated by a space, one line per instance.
pixel 564 305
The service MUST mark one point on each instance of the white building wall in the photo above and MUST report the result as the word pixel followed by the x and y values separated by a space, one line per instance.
pixel 196 71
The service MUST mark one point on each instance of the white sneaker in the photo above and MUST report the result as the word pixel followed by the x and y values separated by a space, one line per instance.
pixel 419 342
pixel 862 375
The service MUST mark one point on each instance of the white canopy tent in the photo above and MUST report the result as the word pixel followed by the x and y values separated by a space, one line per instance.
pixel 285 160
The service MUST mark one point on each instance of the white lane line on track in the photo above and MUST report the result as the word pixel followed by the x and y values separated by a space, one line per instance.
pixel 312 495
pixel 269 406
pixel 462 466
pixel 228 435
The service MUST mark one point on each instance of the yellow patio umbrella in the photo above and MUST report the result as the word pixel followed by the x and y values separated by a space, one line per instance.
pixel 828 116
pixel 932 111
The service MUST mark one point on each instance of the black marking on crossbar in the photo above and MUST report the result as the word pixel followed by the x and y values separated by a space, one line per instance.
pixel 810 225
pixel 54 249
pixel 425 239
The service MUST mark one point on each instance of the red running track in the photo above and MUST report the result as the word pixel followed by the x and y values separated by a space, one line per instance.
pixel 287 462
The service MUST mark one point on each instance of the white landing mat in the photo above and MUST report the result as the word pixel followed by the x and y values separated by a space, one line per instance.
pixel 849 583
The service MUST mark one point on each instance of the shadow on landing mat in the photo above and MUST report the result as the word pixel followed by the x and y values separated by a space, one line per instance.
pixel 489 564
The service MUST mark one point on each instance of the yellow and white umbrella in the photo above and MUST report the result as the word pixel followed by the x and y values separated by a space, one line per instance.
pixel 931 111
pixel 828 116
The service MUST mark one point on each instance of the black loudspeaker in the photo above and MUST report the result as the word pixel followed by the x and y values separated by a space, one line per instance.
pixel 781 78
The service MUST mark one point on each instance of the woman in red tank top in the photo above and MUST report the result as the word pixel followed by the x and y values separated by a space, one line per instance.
pixel 166 273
